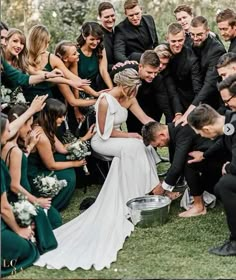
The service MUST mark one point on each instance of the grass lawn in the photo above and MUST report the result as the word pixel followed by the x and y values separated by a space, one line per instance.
pixel 178 249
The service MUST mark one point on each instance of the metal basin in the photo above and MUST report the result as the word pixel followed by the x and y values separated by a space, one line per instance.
pixel 149 211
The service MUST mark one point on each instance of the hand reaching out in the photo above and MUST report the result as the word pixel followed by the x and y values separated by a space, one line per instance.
pixel 197 156
pixel 38 103
pixel 89 133
pixel 32 139
pixel 181 119
pixel 134 135
pixel 55 73
pixel 79 83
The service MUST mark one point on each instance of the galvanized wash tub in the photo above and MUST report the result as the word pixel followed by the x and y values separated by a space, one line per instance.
pixel 149 211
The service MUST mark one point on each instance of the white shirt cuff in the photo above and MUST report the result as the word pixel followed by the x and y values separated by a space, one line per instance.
pixel 167 187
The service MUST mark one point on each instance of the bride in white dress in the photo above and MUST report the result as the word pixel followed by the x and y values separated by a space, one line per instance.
pixel 95 237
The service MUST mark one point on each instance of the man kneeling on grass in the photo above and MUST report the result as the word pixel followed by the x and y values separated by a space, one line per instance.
pixel 208 123
pixel 180 140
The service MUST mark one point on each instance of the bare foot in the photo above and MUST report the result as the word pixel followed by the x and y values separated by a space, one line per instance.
pixel 193 212
pixel 173 195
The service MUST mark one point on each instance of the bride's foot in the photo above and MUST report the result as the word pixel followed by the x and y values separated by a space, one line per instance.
pixel 193 212
pixel 173 195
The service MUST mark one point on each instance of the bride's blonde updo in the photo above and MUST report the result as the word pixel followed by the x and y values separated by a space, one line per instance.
pixel 128 78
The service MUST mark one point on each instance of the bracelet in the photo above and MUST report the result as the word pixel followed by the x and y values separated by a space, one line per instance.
pixel 46 76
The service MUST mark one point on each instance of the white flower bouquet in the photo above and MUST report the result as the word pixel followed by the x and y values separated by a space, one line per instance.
pixel 24 211
pixel 49 186
pixel 10 98
pixel 79 150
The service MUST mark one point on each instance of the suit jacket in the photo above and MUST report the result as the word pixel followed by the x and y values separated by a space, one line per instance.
pixel 109 47
pixel 232 47
pixel 226 143
pixel 208 54
pixel 183 139
pixel 128 45
pixel 185 70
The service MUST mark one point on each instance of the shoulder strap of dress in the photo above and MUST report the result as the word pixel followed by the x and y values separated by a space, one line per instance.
pixel 8 156
pixel 49 58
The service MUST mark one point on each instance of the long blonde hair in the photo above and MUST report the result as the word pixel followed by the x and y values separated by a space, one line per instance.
pixel 128 78
pixel 37 42
pixel 20 61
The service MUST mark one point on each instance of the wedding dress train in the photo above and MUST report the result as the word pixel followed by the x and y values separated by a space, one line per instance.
pixel 95 237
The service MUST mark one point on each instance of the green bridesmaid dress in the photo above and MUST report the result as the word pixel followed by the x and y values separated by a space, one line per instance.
pixel 44 225
pixel 17 253
pixel 12 77
pixel 53 215
pixel 36 167
pixel 41 88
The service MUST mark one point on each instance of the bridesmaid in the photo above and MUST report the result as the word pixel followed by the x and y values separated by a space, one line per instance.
pixel 49 153
pixel 93 59
pixel 15 52
pixel 16 161
pixel 67 52
pixel 17 252
pixel 41 60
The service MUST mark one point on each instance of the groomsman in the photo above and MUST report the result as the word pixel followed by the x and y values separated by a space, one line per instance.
pixel 106 13
pixel 226 65
pixel 135 34
pixel 180 140
pixel 209 124
pixel 184 67
pixel 184 15
pixel 208 51
pixel 228 91
pixel 147 69
pixel 226 21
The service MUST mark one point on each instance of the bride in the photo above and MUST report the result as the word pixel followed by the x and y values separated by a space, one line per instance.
pixel 95 237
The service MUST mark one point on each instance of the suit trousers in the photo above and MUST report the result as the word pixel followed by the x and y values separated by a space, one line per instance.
pixel 202 176
pixel 225 189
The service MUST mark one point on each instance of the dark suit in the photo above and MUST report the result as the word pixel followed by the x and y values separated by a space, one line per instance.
pixel 109 47
pixel 184 69
pixel 208 54
pixel 225 189
pixel 129 44
pixel 182 140
pixel 232 47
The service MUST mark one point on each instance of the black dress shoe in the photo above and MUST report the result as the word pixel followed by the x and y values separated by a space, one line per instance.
pixel 227 249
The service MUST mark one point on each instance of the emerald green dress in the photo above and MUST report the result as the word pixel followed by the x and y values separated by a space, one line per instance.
pixel 11 77
pixel 36 167
pixel 53 215
pixel 17 253
pixel 44 224
pixel 41 88
pixel 88 67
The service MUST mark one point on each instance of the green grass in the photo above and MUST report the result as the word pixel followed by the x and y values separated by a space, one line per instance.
pixel 178 249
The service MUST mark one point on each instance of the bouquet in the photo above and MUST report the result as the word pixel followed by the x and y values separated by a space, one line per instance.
pixel 10 98
pixel 68 136
pixel 49 186
pixel 24 211
pixel 79 150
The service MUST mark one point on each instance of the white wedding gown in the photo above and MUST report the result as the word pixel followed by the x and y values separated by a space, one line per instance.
pixel 95 237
